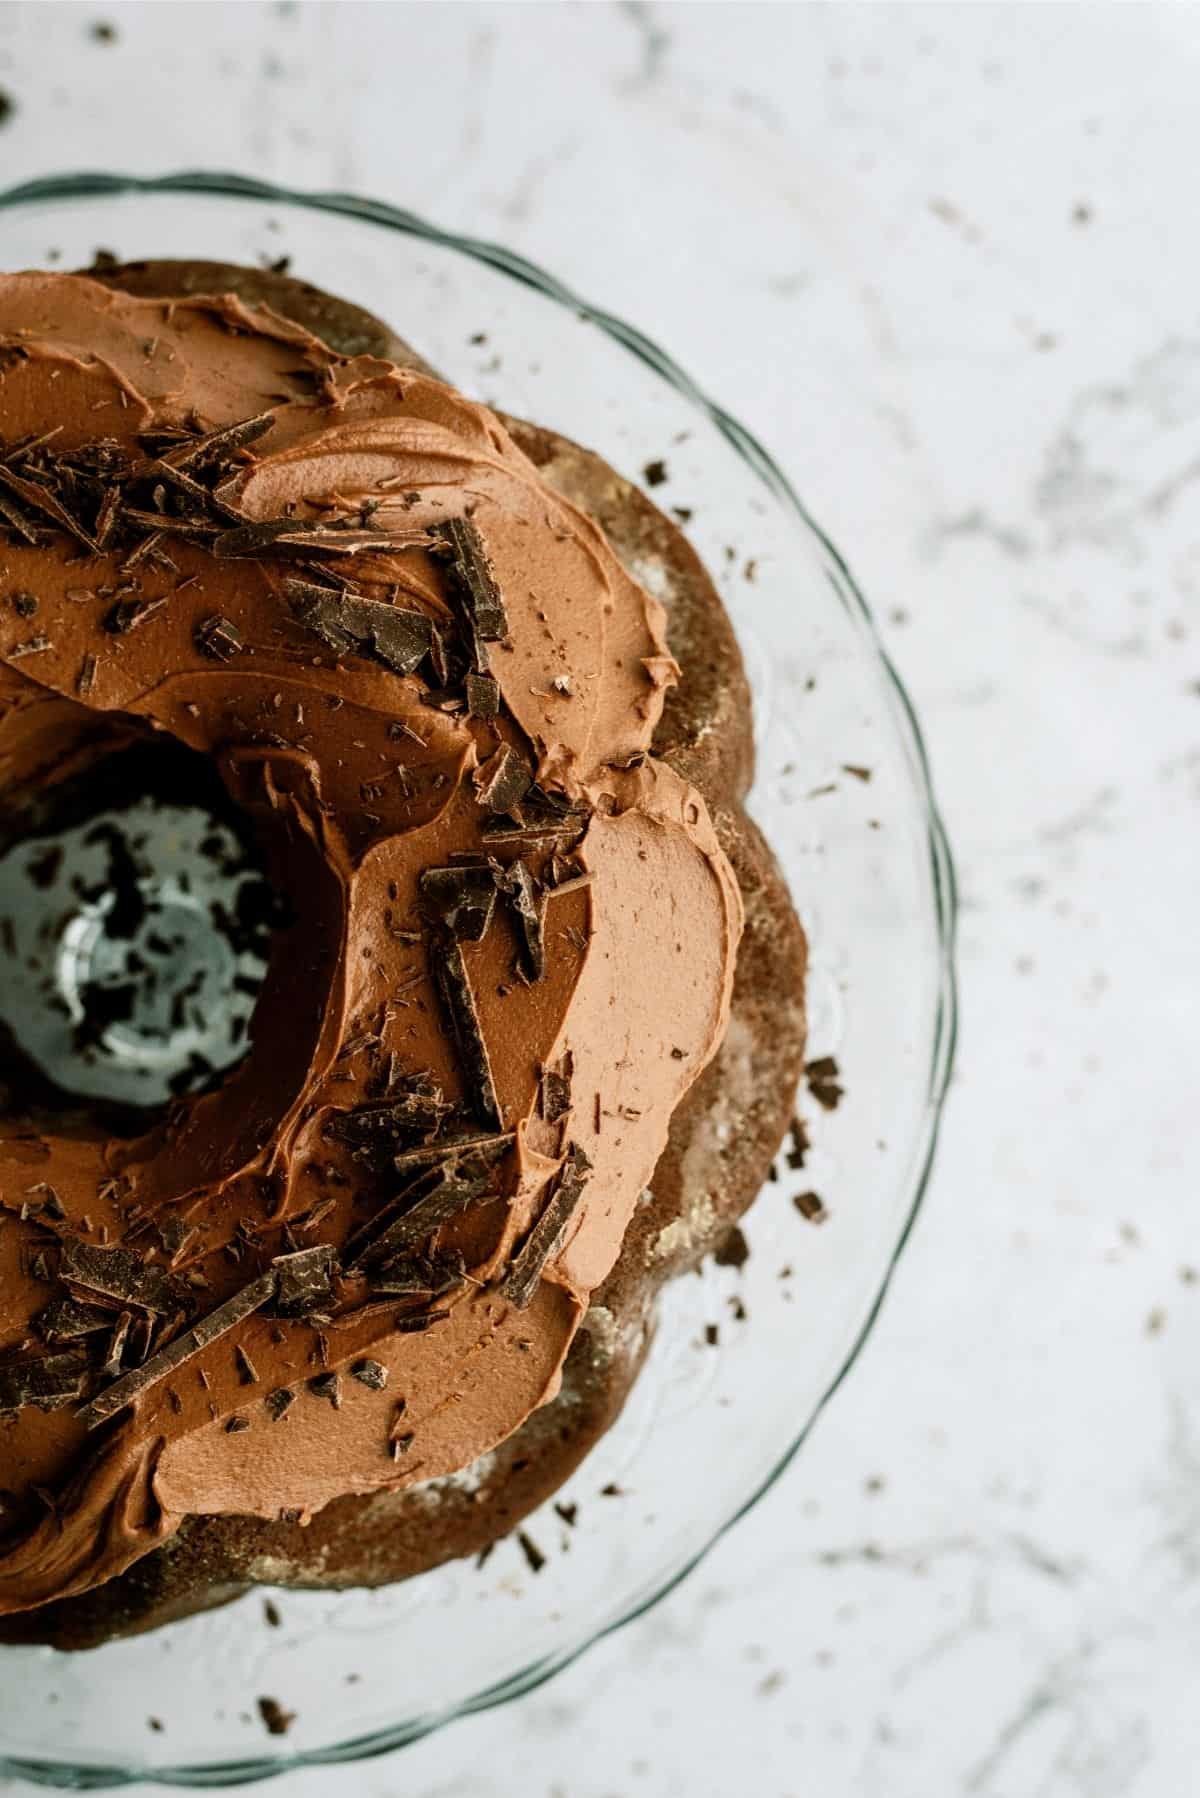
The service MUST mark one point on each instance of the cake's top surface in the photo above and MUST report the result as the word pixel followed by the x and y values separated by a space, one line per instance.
pixel 359 1262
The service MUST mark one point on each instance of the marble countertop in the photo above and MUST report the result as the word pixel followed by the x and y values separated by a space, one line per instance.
pixel 943 260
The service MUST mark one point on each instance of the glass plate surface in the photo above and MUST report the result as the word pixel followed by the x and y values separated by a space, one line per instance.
pixel 843 793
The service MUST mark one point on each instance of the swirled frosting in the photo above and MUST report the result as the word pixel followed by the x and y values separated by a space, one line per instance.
pixel 286 1324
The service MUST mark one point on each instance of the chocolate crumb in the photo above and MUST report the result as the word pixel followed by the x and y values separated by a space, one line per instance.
pixel 810 1206
pixel 277 1720
pixel 327 1385
pixel 568 1512
pixel 279 1401
pixel 655 473
pixel 271 1613
pixel 236 1424
pixel 798 1152
pixel 531 1551
pixel 733 1250
pixel 823 1079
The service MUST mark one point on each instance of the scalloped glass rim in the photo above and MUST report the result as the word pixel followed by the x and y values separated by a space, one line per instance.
pixel 940 868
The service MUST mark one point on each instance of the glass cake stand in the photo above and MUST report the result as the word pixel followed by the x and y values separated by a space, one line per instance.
pixel 843 793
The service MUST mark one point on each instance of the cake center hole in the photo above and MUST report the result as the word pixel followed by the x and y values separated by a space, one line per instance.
pixel 136 922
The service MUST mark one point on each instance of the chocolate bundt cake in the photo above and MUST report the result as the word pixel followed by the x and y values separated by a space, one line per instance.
pixel 532 1022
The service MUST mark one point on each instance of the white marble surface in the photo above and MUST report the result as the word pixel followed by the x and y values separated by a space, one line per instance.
pixel 944 260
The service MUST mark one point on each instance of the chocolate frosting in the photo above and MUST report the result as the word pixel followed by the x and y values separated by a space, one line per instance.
pixel 325 1297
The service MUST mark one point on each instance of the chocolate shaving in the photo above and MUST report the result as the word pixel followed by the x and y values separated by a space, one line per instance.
pixel 546 1237
pixel 127 614
pixel 474 585
pixel 395 635
pixel 283 536
pixel 528 902
pixel 48 1382
pixel 193 1342
pixel 115 1352
pixel 573 883
pixel 405 1324
pixel 502 781
pixel 454 985
pixel 554 1093
pixel 16 520
pixel 483 696
pixel 32 493
pixel 454 1191
pixel 419 1276
pixel 183 483
pixel 304 1280
pixel 32 646
pixel 219 638
pixel 108 518
pixel 279 1401
pixel 220 446
pixel 453 1148
pixel 462 899
pixel 372 1374
pixel 67 1319
pixel 384 1125
pixel 195 530
pixel 327 1385
pixel 116 1274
